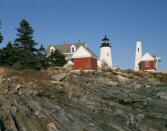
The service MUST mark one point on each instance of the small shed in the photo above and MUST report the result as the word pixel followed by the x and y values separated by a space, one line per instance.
pixel 148 62
pixel 85 59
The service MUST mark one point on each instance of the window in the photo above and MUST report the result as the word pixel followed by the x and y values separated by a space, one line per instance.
pixel 107 54
pixel 138 49
pixel 72 60
pixel 52 50
pixel 72 49
pixel 147 63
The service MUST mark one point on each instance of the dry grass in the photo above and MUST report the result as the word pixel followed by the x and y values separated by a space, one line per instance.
pixel 161 77
pixel 21 76
pixel 41 77
pixel 136 73
pixel 3 71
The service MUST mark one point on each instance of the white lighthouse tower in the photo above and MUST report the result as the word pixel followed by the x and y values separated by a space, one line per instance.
pixel 105 53
pixel 138 54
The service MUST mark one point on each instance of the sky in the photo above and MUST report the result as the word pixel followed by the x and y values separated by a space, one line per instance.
pixel 124 22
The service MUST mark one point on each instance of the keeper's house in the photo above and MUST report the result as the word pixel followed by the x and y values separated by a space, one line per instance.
pixel 67 49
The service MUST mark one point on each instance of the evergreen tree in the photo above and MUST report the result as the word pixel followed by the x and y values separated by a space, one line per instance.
pixel 57 59
pixel 25 34
pixel 24 45
pixel 1 37
pixel 42 52
pixel 7 55
pixel 42 56
pixel 1 56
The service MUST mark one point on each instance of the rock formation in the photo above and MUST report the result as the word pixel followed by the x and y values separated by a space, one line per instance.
pixel 84 101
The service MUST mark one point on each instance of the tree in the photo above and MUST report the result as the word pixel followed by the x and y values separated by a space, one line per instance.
pixel 1 37
pixel 7 55
pixel 25 47
pixel 57 59
pixel 42 56
pixel 25 40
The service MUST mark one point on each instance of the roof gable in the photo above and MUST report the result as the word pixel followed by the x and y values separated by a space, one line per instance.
pixel 147 57
pixel 92 53
pixel 84 52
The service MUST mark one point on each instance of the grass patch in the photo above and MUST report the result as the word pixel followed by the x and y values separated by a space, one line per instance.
pixel 27 75
pixel 161 77
pixel 3 71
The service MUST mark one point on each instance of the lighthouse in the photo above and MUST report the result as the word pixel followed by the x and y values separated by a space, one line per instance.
pixel 138 54
pixel 105 53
